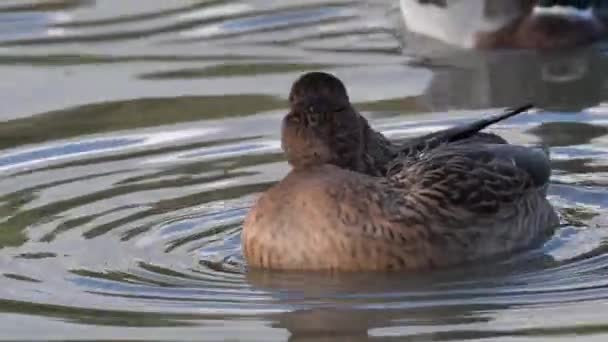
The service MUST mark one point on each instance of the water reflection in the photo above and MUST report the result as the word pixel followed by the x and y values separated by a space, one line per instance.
pixel 130 114
pixel 566 82
pixel 19 25
pixel 387 307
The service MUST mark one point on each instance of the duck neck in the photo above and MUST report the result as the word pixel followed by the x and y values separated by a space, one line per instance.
pixel 377 151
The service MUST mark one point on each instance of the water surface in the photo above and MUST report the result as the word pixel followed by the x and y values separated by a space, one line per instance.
pixel 134 137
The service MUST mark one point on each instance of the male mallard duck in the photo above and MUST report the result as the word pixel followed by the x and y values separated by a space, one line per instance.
pixel 354 201
pixel 522 24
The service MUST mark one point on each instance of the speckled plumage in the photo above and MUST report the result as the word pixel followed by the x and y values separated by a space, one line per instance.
pixel 356 202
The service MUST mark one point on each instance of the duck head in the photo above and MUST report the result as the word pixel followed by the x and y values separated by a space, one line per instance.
pixel 322 127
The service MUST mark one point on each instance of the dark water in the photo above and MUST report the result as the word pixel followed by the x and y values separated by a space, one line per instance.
pixel 134 135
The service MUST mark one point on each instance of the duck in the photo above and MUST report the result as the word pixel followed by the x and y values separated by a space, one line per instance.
pixel 354 201
pixel 514 24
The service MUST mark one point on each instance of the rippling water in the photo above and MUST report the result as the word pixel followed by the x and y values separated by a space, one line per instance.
pixel 135 135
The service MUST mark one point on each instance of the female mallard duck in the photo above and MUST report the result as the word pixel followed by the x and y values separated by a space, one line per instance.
pixel 522 24
pixel 354 201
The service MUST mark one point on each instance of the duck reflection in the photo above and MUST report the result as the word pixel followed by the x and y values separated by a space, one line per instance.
pixel 362 307
pixel 566 81
pixel 375 325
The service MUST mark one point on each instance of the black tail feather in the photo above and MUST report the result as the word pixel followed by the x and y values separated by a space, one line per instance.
pixel 466 131
pixel 459 132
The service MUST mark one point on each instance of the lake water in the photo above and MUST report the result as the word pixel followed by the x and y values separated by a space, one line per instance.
pixel 135 135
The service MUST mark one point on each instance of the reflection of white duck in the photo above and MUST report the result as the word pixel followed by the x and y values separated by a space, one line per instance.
pixel 569 80
pixel 537 24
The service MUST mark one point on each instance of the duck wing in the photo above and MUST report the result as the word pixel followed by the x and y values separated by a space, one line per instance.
pixel 466 201
pixel 479 178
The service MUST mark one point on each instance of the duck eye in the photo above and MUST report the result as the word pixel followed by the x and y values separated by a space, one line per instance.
pixel 314 119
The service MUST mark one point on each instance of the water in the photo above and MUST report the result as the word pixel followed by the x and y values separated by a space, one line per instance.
pixel 134 136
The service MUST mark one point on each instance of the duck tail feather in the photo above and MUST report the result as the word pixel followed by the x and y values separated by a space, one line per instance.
pixel 459 132
pixel 466 131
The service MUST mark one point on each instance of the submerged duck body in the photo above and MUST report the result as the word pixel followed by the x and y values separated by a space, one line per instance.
pixel 354 201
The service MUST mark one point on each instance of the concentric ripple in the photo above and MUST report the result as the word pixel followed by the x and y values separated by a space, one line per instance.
pixel 135 137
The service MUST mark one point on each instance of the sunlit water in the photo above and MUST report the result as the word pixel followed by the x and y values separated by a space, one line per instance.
pixel 135 135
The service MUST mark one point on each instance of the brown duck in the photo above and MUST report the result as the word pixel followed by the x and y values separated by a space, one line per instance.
pixel 354 201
